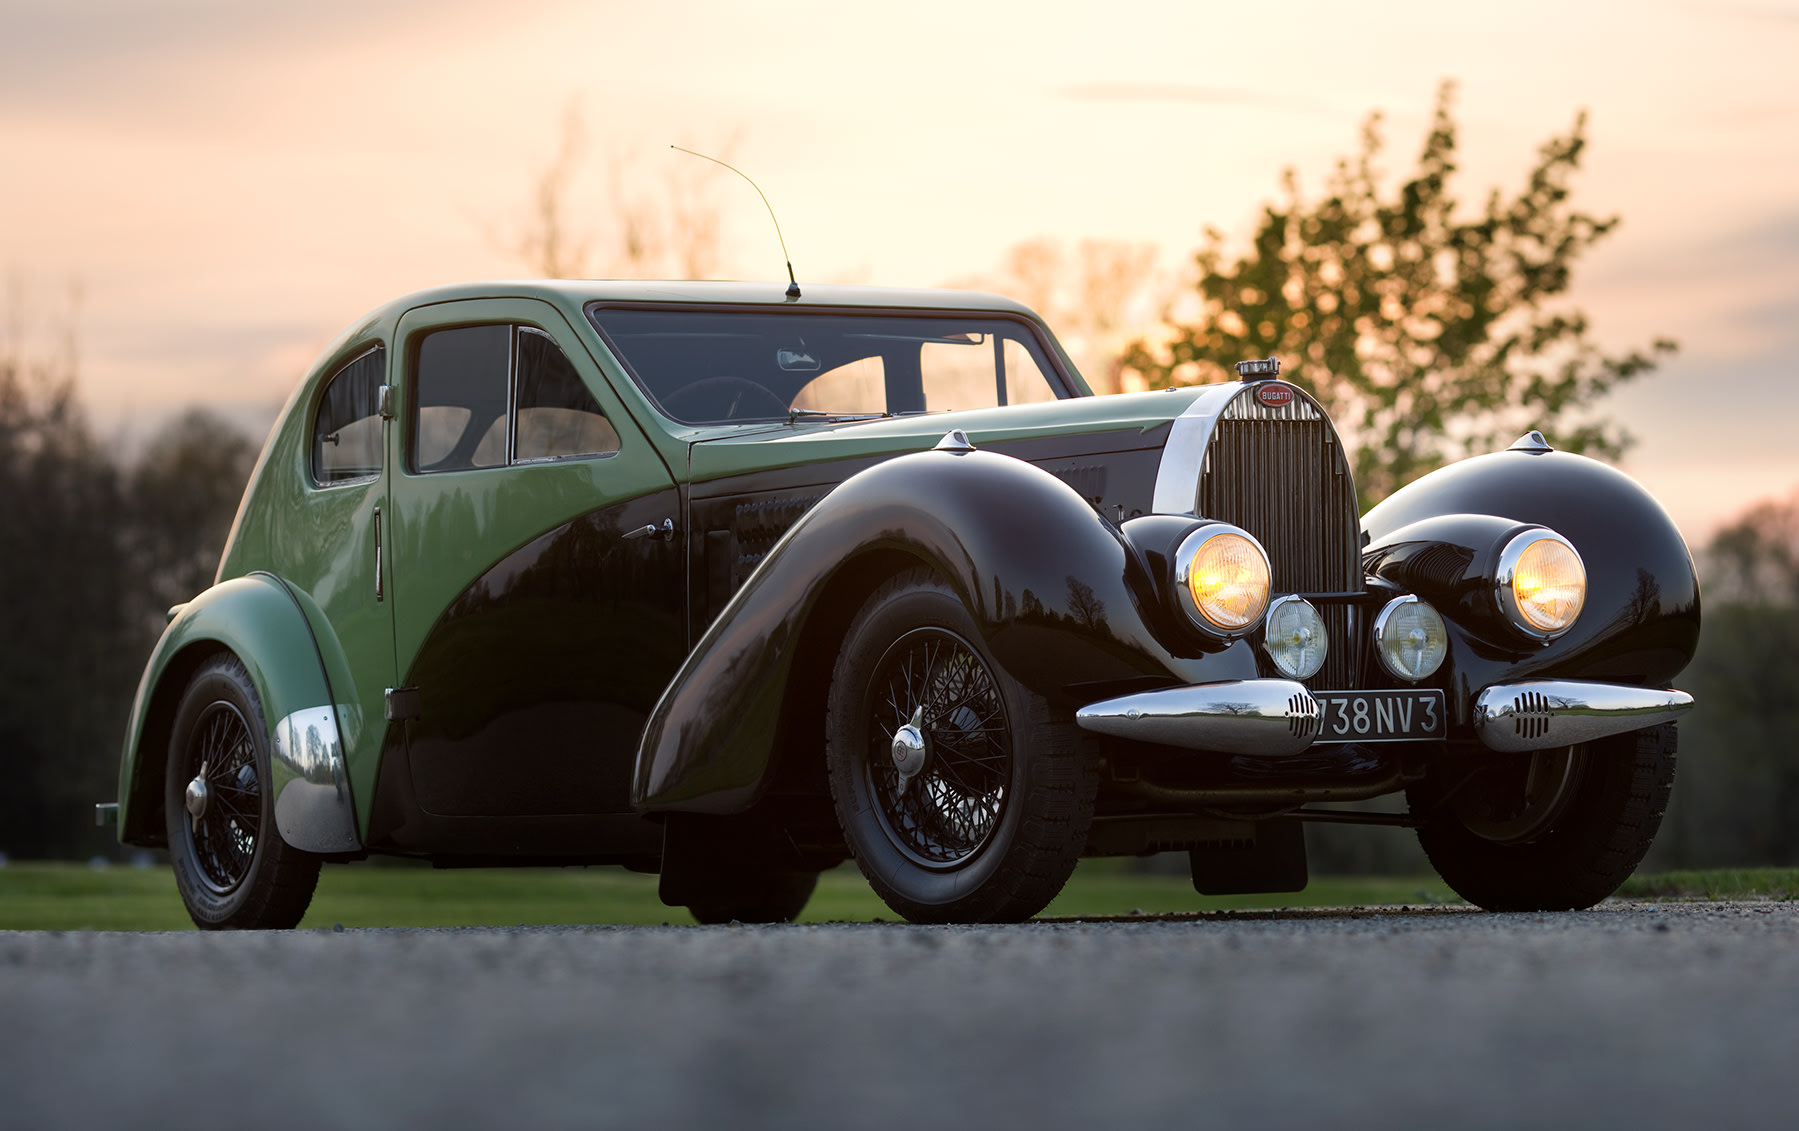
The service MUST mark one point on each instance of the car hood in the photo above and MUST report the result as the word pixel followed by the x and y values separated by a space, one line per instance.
pixel 1077 426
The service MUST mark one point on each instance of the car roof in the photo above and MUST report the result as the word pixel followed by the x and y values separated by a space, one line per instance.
pixel 812 295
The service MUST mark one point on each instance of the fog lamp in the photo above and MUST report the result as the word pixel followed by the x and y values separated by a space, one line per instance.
pixel 1294 637
pixel 1222 575
pixel 1410 639
pixel 1541 584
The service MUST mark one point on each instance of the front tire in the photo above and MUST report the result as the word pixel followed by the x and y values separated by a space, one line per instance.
pixel 1549 831
pixel 960 794
pixel 232 867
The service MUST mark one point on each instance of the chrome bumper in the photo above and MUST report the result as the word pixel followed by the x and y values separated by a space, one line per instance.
pixel 1274 717
pixel 1541 714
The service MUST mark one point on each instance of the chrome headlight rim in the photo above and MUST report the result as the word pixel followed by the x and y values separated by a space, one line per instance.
pixel 1184 556
pixel 1383 623
pixel 1270 614
pixel 1507 570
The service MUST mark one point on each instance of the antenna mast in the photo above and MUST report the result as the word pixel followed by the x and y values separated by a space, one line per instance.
pixel 793 287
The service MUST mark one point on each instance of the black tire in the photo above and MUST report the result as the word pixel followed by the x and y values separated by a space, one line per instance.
pixel 768 896
pixel 1576 850
pixel 992 826
pixel 232 867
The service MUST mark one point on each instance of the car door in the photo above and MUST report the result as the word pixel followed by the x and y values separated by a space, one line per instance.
pixel 538 583
pixel 331 541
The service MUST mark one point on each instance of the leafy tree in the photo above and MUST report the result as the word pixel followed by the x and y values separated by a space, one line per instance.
pixel 1426 334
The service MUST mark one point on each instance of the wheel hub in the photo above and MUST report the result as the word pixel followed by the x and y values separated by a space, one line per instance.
pixel 909 751
pixel 198 796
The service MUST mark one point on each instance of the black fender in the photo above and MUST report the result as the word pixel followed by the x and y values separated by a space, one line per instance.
pixel 1063 600
pixel 1640 623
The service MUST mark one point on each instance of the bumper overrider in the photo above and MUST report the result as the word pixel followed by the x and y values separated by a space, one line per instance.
pixel 1280 717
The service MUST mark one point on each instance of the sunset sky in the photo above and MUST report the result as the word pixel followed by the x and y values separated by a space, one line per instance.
pixel 231 183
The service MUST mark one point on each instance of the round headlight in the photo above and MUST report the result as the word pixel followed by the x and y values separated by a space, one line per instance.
pixel 1294 637
pixel 1222 575
pixel 1410 639
pixel 1541 583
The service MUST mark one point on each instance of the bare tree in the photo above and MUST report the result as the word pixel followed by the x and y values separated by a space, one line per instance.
pixel 1098 307
pixel 672 229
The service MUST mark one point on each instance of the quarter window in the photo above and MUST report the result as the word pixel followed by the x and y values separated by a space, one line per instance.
pixel 467 379
pixel 346 432
pixel 557 415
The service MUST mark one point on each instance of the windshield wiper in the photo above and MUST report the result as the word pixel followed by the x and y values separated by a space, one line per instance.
pixel 795 415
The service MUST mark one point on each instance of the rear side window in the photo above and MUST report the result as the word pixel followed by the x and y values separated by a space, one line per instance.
pixel 346 431
pixel 486 396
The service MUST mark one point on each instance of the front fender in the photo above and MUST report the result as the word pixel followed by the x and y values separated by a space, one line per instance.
pixel 1063 602
pixel 263 622
pixel 1640 624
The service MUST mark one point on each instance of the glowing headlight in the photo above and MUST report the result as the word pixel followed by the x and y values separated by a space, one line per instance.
pixel 1410 639
pixel 1294 637
pixel 1222 575
pixel 1541 584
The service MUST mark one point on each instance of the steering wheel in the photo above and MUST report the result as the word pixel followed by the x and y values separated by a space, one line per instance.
pixel 716 399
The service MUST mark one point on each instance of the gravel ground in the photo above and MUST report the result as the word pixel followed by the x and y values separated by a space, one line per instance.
pixel 1630 1015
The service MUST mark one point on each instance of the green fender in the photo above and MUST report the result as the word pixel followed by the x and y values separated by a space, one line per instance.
pixel 294 662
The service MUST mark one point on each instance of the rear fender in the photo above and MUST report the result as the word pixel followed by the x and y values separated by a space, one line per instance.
pixel 1059 596
pixel 266 625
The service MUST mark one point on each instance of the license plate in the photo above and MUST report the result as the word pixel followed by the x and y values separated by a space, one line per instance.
pixel 1380 716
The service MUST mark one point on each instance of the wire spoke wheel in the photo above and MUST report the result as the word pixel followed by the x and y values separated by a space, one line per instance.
pixel 225 831
pixel 231 865
pixel 948 811
pixel 962 794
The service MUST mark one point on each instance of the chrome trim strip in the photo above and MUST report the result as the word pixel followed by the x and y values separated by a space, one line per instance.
pixel 312 793
pixel 1177 478
pixel 1542 714
pixel 1271 717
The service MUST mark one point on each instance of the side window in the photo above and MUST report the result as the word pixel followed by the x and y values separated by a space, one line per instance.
pixel 557 415
pixel 459 402
pixel 346 432
pixel 981 370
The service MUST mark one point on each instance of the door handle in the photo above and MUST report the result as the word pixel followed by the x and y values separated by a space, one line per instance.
pixel 380 590
pixel 666 531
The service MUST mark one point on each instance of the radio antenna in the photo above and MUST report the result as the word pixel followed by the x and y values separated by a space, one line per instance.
pixel 793 287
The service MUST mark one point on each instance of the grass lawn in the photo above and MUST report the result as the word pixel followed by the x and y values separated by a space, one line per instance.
pixel 66 897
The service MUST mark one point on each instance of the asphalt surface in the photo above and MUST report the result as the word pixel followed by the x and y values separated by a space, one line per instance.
pixel 1631 1015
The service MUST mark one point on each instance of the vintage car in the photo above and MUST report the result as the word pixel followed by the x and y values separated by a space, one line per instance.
pixel 732 584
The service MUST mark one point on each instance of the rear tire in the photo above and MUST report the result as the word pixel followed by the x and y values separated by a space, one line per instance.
pixel 231 866
pixel 991 823
pixel 1562 849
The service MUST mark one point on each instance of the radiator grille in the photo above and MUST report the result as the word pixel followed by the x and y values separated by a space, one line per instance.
pixel 1279 473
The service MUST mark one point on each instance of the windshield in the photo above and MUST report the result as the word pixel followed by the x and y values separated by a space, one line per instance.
pixel 705 366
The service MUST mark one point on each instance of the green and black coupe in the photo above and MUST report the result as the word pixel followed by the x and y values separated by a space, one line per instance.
pixel 732 584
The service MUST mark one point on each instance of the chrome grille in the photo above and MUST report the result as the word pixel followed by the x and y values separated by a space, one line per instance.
pixel 1279 472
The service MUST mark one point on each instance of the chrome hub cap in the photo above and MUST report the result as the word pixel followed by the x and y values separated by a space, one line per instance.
pixel 198 796
pixel 909 751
